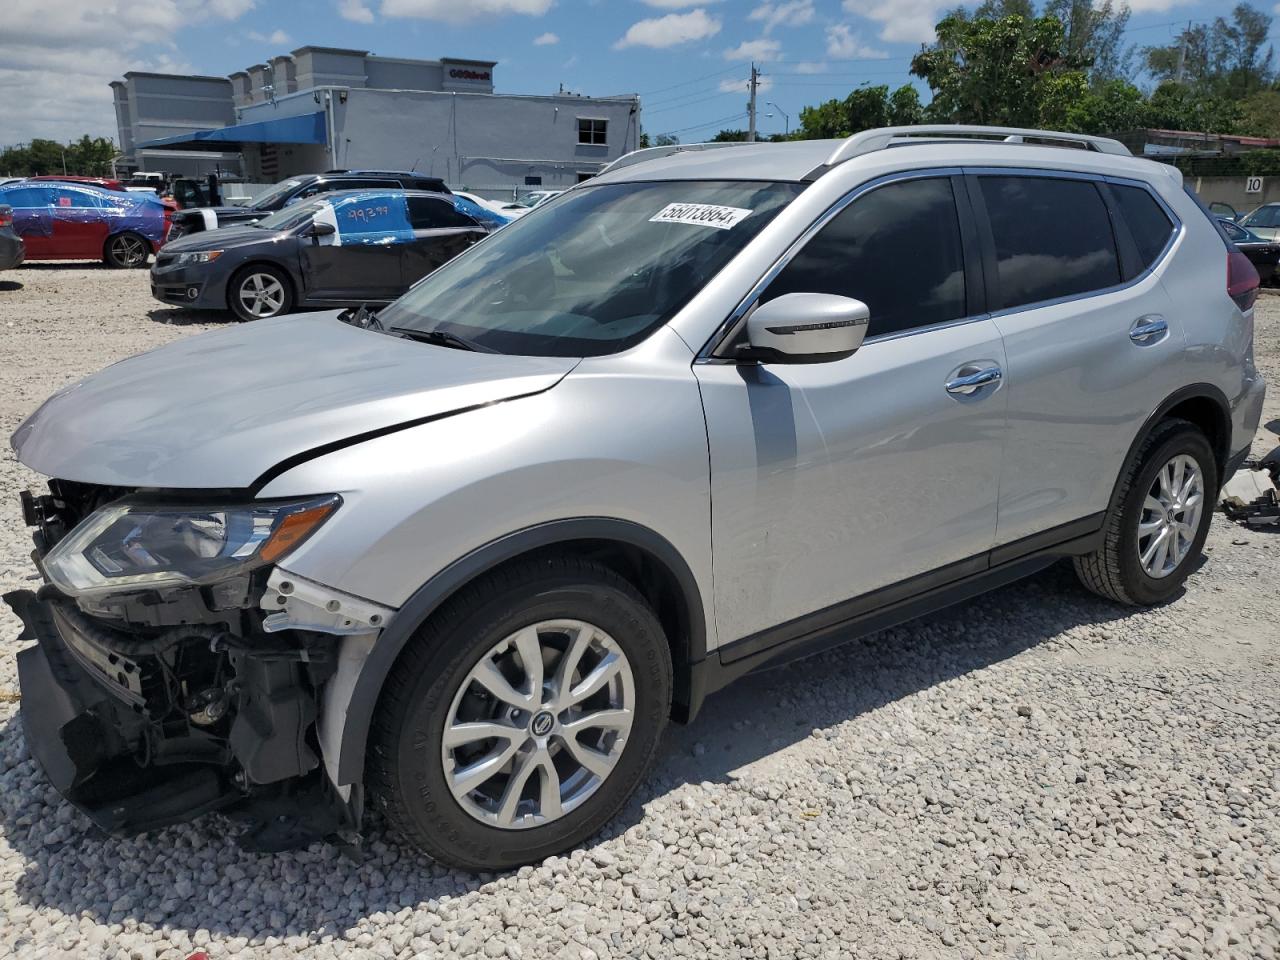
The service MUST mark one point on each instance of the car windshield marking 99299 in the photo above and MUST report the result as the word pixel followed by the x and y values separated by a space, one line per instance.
pixel 592 273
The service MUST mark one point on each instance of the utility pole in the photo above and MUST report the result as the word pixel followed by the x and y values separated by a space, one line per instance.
pixel 1182 53
pixel 751 104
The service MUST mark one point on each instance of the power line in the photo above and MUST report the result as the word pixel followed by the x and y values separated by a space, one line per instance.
pixel 686 83
pixel 709 123
pixel 707 95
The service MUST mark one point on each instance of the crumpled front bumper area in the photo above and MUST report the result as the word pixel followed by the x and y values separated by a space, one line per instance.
pixel 91 719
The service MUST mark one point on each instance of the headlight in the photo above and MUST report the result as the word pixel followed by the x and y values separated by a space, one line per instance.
pixel 136 545
pixel 204 256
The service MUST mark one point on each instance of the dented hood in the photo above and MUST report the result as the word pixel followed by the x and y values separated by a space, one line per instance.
pixel 221 409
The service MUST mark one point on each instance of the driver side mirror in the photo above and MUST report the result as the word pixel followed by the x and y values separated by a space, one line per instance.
pixel 318 230
pixel 805 328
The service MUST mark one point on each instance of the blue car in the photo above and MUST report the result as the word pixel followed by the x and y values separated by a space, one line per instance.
pixel 74 221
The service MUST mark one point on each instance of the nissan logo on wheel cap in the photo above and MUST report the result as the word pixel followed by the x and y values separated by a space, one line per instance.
pixel 542 723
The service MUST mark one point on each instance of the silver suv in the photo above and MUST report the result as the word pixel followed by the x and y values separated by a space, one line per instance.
pixel 462 559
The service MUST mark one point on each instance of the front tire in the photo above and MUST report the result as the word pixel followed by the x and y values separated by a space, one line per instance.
pixel 259 292
pixel 523 715
pixel 126 251
pixel 1156 528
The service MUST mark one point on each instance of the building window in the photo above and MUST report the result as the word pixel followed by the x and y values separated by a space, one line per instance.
pixel 592 131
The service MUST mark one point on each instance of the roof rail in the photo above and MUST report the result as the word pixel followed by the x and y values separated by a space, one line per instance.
pixel 869 141
pixel 657 153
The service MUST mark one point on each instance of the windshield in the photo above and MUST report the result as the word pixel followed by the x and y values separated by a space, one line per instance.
pixel 274 196
pixel 594 272
pixel 290 217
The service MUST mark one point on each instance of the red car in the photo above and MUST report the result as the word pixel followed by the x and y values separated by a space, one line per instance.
pixel 75 221
pixel 106 183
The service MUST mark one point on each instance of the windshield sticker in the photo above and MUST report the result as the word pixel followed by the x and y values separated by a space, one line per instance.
pixel 701 215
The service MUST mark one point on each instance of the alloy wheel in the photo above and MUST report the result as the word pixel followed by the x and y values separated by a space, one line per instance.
pixel 538 724
pixel 261 294
pixel 128 250
pixel 1170 517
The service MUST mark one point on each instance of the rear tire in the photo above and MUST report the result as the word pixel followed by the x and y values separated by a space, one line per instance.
pixel 1158 522
pixel 259 292
pixel 537 794
pixel 126 251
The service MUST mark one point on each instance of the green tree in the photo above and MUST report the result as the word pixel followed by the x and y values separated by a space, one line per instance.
pixel 862 109
pixel 1114 106
pixel 88 156
pixel 1227 59
pixel 1008 71
pixel 1260 114
pixel 1093 33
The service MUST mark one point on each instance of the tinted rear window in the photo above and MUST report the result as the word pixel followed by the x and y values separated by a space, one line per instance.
pixel 1147 221
pixel 1053 239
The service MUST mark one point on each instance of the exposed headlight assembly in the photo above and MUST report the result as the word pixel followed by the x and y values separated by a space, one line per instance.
pixel 203 256
pixel 137 545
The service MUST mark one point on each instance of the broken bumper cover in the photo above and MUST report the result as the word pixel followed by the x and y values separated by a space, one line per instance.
pixel 90 721
pixel 84 739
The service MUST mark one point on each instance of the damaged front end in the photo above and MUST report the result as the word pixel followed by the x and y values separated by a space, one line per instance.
pixel 177 669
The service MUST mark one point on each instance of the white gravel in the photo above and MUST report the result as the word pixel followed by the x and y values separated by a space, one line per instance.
pixel 1035 774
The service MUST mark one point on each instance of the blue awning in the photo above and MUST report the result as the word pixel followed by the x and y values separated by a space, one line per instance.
pixel 308 128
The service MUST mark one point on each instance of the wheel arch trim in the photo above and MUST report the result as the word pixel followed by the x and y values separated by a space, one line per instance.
pixel 435 592
pixel 1192 391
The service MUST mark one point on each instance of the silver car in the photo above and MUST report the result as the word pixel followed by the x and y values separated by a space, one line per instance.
pixel 462 559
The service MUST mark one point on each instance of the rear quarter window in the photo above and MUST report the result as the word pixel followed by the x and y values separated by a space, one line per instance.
pixel 1149 225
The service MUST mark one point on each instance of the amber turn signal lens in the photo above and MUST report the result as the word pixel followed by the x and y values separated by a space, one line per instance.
pixel 293 530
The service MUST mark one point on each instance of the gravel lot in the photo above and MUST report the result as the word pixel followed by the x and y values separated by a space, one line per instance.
pixel 1035 774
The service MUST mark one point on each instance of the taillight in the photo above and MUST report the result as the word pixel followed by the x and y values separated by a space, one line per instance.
pixel 1242 279
pixel 6 218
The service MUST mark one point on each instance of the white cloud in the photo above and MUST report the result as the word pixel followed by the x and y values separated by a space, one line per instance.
pixel 462 11
pixel 907 21
pixel 793 14
pixel 1158 6
pixel 755 50
pixel 678 4
pixel 355 10
pixel 670 31
pixel 844 44
pixel 230 9
pixel 545 40
pixel 811 66
pixel 743 86
pixel 58 56
pixel 277 38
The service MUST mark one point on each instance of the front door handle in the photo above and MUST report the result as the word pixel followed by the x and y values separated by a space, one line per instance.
pixel 1149 330
pixel 971 383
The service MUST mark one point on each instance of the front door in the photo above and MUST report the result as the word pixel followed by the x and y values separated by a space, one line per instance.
pixel 33 219
pixel 361 260
pixel 831 480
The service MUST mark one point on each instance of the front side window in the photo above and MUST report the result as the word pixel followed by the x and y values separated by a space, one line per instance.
pixel 592 131
pixel 596 271
pixel 1148 223
pixel 291 217
pixel 897 249
pixel 1053 238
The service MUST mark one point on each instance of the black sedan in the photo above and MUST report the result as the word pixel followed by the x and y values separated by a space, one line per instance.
pixel 342 249
pixel 12 250
pixel 1263 254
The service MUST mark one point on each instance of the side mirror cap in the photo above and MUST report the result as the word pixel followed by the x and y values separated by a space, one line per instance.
pixel 805 328
pixel 318 229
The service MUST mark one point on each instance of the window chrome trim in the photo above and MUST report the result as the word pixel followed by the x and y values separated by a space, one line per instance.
pixel 1178 229
pixel 738 314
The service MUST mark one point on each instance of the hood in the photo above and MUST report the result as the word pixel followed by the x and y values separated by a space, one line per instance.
pixel 221 409
pixel 220 239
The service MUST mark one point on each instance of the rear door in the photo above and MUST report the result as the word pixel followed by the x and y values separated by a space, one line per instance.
pixel 1090 335
pixel 440 233
pixel 361 260
pixel 80 223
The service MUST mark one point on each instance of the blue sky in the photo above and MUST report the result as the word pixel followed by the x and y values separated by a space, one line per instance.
pixel 689 59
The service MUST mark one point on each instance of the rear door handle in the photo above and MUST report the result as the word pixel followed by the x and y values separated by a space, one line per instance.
pixel 971 383
pixel 1149 330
